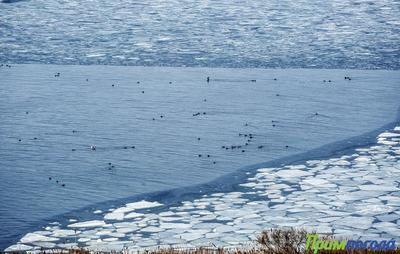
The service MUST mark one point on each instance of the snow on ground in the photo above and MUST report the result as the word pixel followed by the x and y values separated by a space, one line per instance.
pixel 355 195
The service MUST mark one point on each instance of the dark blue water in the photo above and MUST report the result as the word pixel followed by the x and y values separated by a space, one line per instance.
pixel 360 34
pixel 53 115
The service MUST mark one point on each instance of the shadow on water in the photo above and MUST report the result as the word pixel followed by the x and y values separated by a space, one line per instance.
pixel 12 1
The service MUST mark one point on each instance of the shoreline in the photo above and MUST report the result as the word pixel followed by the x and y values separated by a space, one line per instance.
pixel 174 196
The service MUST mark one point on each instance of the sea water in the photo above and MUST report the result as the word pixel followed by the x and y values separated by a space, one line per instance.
pixel 171 116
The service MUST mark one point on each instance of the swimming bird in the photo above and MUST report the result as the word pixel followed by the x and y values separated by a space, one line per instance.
pixel 208 79
pixel 93 147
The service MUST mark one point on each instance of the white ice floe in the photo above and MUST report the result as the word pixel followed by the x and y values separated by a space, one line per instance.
pixel 316 181
pixel 373 187
pixel 389 135
pixel 289 173
pixel 18 247
pixel 34 237
pixel 143 204
pixel 88 224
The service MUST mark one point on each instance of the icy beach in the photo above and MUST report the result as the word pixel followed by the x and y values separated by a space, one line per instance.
pixel 156 129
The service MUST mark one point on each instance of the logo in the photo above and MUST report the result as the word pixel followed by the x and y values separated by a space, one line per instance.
pixel 316 244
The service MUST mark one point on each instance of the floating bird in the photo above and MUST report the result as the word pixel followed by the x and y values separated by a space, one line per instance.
pixel 93 147
pixel 208 79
